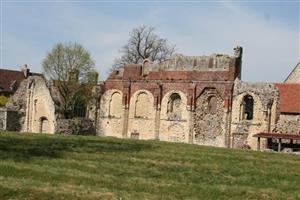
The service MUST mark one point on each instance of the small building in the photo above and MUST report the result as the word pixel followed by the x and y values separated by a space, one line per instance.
pixel 30 107
pixel 11 79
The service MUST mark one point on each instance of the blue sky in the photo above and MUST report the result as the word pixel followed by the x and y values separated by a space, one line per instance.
pixel 267 30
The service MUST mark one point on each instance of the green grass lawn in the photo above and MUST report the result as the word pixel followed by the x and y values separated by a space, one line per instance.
pixel 34 166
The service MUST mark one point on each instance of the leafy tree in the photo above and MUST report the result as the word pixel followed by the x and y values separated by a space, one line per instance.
pixel 144 43
pixel 3 100
pixel 71 68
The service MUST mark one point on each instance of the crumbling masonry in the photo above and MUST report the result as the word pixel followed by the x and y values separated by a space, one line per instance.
pixel 190 99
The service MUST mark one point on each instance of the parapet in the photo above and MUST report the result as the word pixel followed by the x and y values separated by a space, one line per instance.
pixel 216 67
pixel 179 62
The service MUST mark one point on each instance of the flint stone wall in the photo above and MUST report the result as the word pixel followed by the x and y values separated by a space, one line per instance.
pixel 265 112
pixel 9 120
pixel 32 102
pixel 76 126
pixel 288 123
pixel 215 62
pixel 3 112
pixel 18 103
pixel 209 123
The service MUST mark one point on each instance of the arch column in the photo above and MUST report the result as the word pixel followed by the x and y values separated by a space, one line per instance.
pixel 126 106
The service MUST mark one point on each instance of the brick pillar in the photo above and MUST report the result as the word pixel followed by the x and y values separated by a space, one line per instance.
pixel 126 103
pixel 157 123
pixel 125 122
pixel 191 105
pixel 157 102
pixel 228 137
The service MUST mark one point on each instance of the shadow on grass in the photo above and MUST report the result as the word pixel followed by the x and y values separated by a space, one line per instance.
pixel 22 148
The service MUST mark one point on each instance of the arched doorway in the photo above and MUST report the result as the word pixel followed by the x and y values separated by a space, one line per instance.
pixel 43 125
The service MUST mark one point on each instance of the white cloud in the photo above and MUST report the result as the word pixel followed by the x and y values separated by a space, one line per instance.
pixel 271 49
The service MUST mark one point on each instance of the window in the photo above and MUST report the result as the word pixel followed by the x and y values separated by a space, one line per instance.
pixel 174 109
pixel 43 125
pixel 248 104
pixel 135 135
pixel 141 106
pixel 115 105
pixel 212 105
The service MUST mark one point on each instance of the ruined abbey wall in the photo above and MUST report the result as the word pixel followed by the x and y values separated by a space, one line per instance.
pixel 175 117
pixel 264 114
pixel 190 99
pixel 40 116
pixel 112 113
pixel 288 123
pixel 199 100
pixel 3 118
pixel 185 99
pixel 141 115
pixel 34 106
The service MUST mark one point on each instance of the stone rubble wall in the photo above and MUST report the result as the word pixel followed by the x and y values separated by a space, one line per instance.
pixel 32 102
pixel 76 126
pixel 9 120
pixel 3 121
pixel 209 127
pixel 13 121
pixel 288 123
pixel 151 123
pixel 39 107
pixel 18 103
pixel 215 62
pixel 264 95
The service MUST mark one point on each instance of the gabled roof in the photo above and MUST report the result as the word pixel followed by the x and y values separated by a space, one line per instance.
pixel 294 76
pixel 289 97
pixel 10 79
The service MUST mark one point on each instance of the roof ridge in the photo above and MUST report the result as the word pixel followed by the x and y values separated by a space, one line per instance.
pixel 298 64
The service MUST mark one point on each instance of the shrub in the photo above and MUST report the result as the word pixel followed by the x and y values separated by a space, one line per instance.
pixel 3 100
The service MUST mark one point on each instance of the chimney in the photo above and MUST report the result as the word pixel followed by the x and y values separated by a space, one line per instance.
pixel 25 70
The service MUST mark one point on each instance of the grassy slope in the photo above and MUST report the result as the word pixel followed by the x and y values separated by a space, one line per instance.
pixel 75 167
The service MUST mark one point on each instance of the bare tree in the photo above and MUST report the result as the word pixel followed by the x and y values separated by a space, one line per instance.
pixel 144 43
pixel 70 67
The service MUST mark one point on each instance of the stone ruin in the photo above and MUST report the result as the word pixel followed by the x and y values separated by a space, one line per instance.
pixel 190 99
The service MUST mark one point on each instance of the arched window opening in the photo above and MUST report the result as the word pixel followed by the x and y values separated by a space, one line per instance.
pixel 115 105
pixel 174 109
pixel 212 105
pixel 43 125
pixel 141 106
pixel 248 104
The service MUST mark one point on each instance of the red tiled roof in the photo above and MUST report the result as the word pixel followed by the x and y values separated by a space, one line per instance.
pixel 289 97
pixel 8 77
